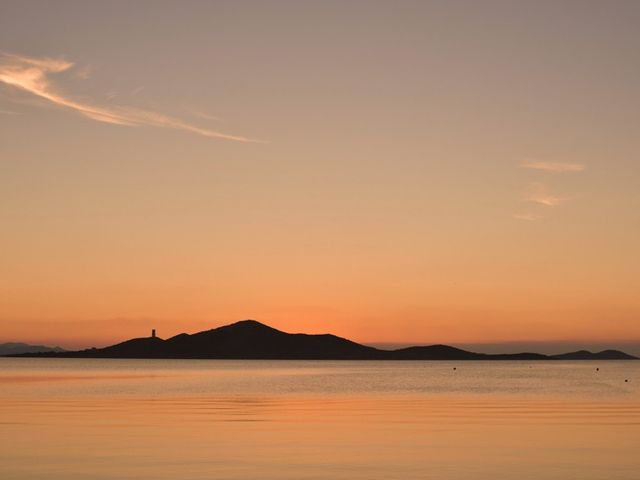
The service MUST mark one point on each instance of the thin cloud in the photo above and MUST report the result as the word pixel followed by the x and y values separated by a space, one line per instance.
pixel 538 193
pixel 557 167
pixel 205 115
pixel 34 75
pixel 83 73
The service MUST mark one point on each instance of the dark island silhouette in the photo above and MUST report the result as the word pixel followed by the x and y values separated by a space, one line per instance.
pixel 249 339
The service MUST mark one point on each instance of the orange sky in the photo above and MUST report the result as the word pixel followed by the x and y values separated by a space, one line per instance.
pixel 423 172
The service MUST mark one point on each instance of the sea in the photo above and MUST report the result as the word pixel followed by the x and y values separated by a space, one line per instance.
pixel 98 419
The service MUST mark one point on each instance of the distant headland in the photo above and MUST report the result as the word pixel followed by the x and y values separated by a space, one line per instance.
pixel 249 339
pixel 16 348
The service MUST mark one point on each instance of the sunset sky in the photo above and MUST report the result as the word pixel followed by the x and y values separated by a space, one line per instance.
pixel 402 172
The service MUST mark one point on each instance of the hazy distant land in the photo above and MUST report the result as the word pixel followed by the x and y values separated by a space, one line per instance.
pixel 249 339
pixel 16 348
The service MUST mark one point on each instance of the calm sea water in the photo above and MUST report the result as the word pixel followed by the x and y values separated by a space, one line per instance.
pixel 166 419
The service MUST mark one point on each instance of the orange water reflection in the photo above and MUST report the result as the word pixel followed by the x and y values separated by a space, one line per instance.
pixel 240 435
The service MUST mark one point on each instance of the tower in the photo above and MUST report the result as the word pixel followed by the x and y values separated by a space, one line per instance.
pixel 153 333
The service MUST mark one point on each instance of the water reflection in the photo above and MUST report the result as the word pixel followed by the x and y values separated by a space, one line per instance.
pixel 297 420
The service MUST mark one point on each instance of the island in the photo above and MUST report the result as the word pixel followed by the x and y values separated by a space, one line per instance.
pixel 250 339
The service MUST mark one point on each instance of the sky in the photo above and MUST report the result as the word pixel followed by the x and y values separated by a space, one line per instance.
pixel 402 172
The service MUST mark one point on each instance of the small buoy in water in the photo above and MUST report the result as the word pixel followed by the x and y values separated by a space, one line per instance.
pixel 454 368
pixel 597 369
pixel 626 380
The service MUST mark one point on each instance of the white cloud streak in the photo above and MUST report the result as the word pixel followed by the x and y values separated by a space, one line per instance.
pixel 556 167
pixel 34 75
pixel 538 193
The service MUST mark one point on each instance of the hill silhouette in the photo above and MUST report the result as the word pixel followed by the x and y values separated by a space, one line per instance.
pixel 246 339
pixel 587 355
pixel 249 339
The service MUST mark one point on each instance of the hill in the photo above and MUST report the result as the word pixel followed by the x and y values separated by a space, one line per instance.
pixel 249 339
pixel 587 355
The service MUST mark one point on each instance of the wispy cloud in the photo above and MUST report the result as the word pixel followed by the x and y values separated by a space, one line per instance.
pixel 206 116
pixel 530 217
pixel 83 73
pixel 35 76
pixel 539 193
pixel 557 167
